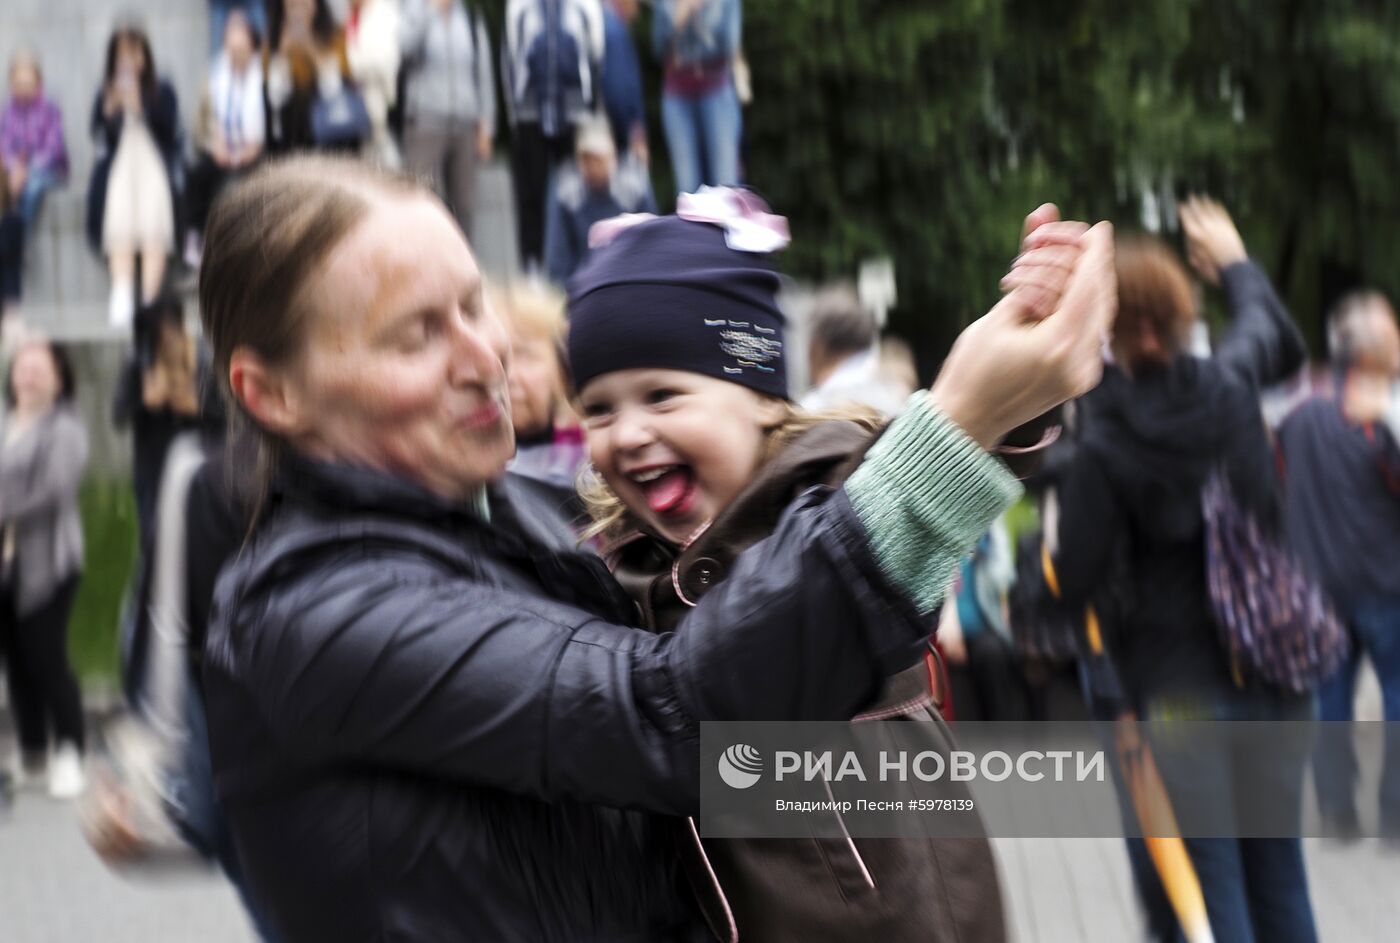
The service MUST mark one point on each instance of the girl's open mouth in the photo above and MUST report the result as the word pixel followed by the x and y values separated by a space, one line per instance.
pixel 668 489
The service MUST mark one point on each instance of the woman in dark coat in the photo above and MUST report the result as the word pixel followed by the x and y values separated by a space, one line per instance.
pixel 132 194
pixel 430 715
pixel 1161 423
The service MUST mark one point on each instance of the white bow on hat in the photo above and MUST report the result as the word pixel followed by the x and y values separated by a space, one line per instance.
pixel 748 224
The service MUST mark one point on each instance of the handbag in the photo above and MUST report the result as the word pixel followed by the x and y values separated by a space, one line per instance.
pixel 340 119
pixel 1273 618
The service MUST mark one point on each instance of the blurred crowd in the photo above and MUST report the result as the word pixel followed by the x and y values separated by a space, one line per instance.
pixel 1165 516
pixel 404 83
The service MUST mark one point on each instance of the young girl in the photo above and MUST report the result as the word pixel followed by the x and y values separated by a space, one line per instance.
pixel 677 353
pixel 131 200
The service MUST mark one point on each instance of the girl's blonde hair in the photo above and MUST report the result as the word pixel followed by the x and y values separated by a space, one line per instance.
pixel 611 518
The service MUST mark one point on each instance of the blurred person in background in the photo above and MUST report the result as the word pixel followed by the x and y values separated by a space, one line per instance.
pixel 304 60
pixel 372 49
pixel 1153 432
pixel 697 42
pixel 153 792
pixel 431 716
pixel 594 187
pixel 255 11
pixel 43 451
pixel 32 148
pixel 159 395
pixel 549 66
pixel 231 130
pixel 450 92
pixel 621 80
pixel 131 195
pixel 843 355
pixel 974 635
pixel 1341 466
pixel 548 439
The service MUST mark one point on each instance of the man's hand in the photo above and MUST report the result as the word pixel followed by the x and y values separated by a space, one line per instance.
pixel 484 143
pixel 1049 250
pixel 1010 366
pixel 1212 241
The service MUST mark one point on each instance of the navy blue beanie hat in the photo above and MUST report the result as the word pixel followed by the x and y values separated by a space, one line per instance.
pixel 670 293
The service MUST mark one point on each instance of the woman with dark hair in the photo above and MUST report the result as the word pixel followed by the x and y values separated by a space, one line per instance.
pixel 43 449
pixel 1161 424
pixel 432 717
pixel 131 196
pixel 159 395
pixel 304 59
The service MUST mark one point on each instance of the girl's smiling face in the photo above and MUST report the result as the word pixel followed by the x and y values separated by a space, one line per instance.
pixel 675 446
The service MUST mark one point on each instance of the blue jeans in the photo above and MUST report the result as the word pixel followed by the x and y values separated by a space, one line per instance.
pixel 703 137
pixel 218 19
pixel 1255 889
pixel 1375 631
pixel 31 199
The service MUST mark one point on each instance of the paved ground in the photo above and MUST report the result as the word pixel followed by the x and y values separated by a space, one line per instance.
pixel 54 890
pixel 1074 890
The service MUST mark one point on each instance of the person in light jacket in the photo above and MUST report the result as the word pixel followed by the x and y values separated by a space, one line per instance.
pixel 43 450
pixel 450 92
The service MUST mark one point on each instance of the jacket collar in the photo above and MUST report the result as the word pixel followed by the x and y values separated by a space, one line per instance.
pixel 348 488
pixel 823 455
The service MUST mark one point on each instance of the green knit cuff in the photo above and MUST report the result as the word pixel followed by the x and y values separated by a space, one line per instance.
pixel 926 493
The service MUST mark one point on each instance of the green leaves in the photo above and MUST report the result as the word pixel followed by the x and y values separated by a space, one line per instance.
pixel 927 131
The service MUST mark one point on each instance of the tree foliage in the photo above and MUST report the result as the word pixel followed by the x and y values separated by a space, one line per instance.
pixel 927 130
